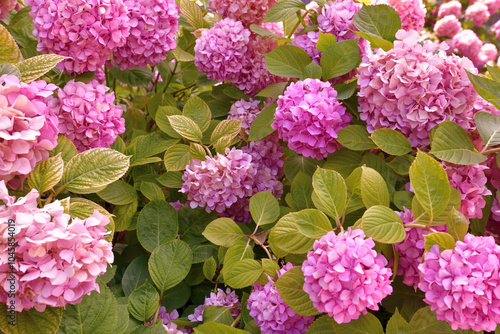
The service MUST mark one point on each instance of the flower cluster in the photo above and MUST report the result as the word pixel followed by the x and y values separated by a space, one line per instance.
pixel 246 11
pixel 450 8
pixel 28 128
pixel 86 31
pixel 271 313
pixel 477 12
pixel 461 284
pixel 153 25
pixel 344 276
pixel 57 260
pixel 336 19
pixel 414 87
pixel 246 111
pixel 307 41
pixel 225 299
pixel 6 6
pixel 448 26
pixel 309 117
pixel 167 318
pixel 88 116
pixel 412 12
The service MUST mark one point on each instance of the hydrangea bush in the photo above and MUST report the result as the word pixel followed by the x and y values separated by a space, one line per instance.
pixel 249 166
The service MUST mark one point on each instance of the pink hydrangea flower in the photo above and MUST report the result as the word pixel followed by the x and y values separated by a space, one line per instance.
pixel 86 31
pixel 493 5
pixel 225 299
pixel 496 29
pixel 246 111
pixel 309 117
pixel 307 42
pixel 468 43
pixel 487 53
pixel 462 284
pixel 58 259
pixel 344 276
pixel 170 327
pixel 88 116
pixel 153 25
pixel 246 11
pixel 6 6
pixel 471 181
pixel 477 12
pixel 448 26
pixel 450 8
pixel 271 313
pixel 412 13
pixel 414 87
pixel 336 19
pixel 28 128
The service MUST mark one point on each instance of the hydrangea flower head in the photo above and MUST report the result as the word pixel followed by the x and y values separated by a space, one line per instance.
pixel 28 129
pixel 58 259
pixel 153 25
pixel 462 284
pixel 336 19
pixel 307 42
pixel 448 26
pixel 271 313
pixel 86 31
pixel 88 116
pixel 344 276
pixel 246 11
pixel 477 12
pixel 246 111
pixel 221 298
pixel 411 12
pixel 468 43
pixel 450 8
pixel 309 117
pixel 170 327
pixel 493 5
pixel 487 53
pixel 6 6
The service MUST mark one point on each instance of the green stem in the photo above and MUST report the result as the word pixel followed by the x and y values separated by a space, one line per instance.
pixel 493 150
pixel 236 320
pixel 172 72
pixel 425 227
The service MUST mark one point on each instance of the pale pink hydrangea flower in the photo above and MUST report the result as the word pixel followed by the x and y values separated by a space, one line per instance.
pixel 462 284
pixel 309 117
pixel 88 116
pixel 344 276
pixel 477 12
pixel 276 27
pixel 468 43
pixel 246 111
pixel 221 298
pixel 487 53
pixel 6 6
pixel 85 30
pixel 246 11
pixel 493 5
pixel 496 29
pixel 271 313
pixel 28 128
pixel 412 12
pixel 153 25
pixel 448 26
pixel 58 259
pixel 450 8
pixel 414 87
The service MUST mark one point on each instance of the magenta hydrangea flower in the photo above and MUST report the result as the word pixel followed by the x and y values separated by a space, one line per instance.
pixel 153 25
pixel 246 111
pixel 448 26
pixel 412 13
pixel 307 42
pixel 88 116
pixel 225 299
pixel 170 327
pixel 309 117
pixel 471 181
pixel 86 31
pixel 336 19
pixel 28 128
pixel 6 6
pixel 468 43
pixel 246 11
pixel 477 12
pixel 414 87
pixel 462 284
pixel 411 249
pixel 58 259
pixel 271 313
pixel 344 276
pixel 450 8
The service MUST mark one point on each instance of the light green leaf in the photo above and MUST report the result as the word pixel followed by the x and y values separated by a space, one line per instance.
pixel 271 268
pixel 261 126
pixel 282 10
pixel 143 302
pixel 345 90
pixel 218 314
pixel 356 138
pixel 123 215
pixel 151 144
pixel 9 51
pixel 366 324
pixel 171 180
pixel 486 88
pixel 223 232
pixel 9 69
pixel 289 287
pixel 215 328
pixel 301 191
pixel 227 128
pixel 136 77
pixel 287 61
pixel 422 217
pixel 238 251
pixel 488 127
pixel 182 55
pixel 325 41
pixel 444 240
pixel 273 90
pixel 152 191
pixel 340 58
pixel 170 263
pixel 381 21
pixel 457 225
pixel 391 141
pixel 33 68
pixel 186 127
pixel 161 119
pixel 136 274
pixel 401 164
pixel 32 321
pixel 398 325
pixel 331 192
pixel 157 224
pixel 209 268
pixel 192 12
pixel 243 273
pixel 46 174
pixel 65 147
pixel 343 161
pixel 375 42
pixel 264 208
pixel 177 157
pixel 424 322
pixel 383 225
pixel 312 71
pixel 118 193
pixel 196 109
pixel 373 188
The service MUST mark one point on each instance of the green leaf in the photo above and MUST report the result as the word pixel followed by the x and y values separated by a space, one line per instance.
pixel 264 208
pixel 391 141
pixel 223 232
pixel 375 42
pixel 209 268
pixel 422 217
pixel 157 224
pixel 9 51
pixel 345 90
pixel 325 41
pixel 356 138
pixel 295 164
pixel 177 157
pixel 46 174
pixel 227 128
pixel 343 161
pixel 152 191
pixel 261 126
pixel 161 100
pixel 398 325
pixel 96 314
pixel 9 69
pixel 401 164
pixel 136 274
pixel 83 208
pixel 118 193
pixel 161 119
pixel 66 147
pixel 197 151
pixel 424 322
pixel 486 88
pixel 322 325
pixel 171 180
pixel 451 143
pixel 92 170
pixel 186 127
pixel 331 192
pixel 289 287
pixel 402 199
pixel 169 264
pixel 151 144
pixel 340 58
pixel 273 90
pixel 143 302
pixel 31 321
pixel 381 21
pixel 218 314
pixel 238 251
pixel 373 188
pixel 282 10
pixel 243 273
pixel 301 191
pixel 271 268
pixel 488 127
pixel 366 324
pixel 196 109
pixel 383 225
pixel 494 72
pixel 33 68
pixel 287 60
pixel 444 240
pixel 192 12
pixel 136 77
pixel 457 225
pixel 312 71
pixel 215 328
pixel 123 215
pixel 430 184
